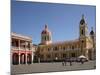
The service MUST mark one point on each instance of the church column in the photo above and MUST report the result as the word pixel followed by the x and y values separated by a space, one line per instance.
pixel 25 52
pixel 19 51
pixel 26 58
pixel 32 58
pixel 19 44
pixel 19 58
pixel 31 52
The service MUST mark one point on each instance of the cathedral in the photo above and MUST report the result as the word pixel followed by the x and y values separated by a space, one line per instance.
pixel 24 52
pixel 84 45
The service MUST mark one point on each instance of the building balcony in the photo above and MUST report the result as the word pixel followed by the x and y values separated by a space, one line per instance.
pixel 14 48
pixel 19 48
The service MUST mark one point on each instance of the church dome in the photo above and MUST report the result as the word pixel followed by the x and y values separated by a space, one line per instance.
pixel 46 36
pixel 82 21
pixel 46 31
pixel 92 32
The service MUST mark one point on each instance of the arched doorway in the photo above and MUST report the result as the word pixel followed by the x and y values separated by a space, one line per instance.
pixel 29 58
pixel 15 59
pixel 72 54
pixel 22 58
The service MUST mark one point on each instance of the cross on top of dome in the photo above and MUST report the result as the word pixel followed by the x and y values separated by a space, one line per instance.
pixel 91 28
pixel 92 32
pixel 46 31
pixel 82 16
pixel 46 26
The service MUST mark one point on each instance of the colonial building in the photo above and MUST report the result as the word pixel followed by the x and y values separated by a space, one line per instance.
pixel 22 50
pixel 84 45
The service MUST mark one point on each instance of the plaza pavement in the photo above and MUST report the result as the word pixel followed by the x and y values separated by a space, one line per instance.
pixel 50 67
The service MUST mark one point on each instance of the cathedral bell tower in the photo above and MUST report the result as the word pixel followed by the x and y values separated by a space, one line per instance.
pixel 93 38
pixel 83 33
pixel 46 36
pixel 83 28
pixel 92 34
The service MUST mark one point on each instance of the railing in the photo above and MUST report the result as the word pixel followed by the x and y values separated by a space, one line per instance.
pixel 19 48
pixel 15 48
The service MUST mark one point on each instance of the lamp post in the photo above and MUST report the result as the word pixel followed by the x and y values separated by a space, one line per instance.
pixel 52 55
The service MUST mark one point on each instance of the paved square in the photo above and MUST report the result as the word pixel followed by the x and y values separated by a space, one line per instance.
pixel 50 67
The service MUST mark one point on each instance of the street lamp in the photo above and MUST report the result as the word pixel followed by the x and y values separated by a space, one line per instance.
pixel 52 54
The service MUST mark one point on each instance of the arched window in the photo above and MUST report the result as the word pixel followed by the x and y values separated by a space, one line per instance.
pixel 64 55
pixel 42 38
pixel 48 56
pixel 45 37
pixel 56 54
pixel 73 54
pixel 48 37
pixel 82 32
pixel 72 47
pixel 48 49
pixel 82 41
pixel 55 48
pixel 64 48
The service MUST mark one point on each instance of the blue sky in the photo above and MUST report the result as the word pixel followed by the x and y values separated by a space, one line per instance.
pixel 29 18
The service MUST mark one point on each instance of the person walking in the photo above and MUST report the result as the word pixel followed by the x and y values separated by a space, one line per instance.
pixel 62 63
pixel 82 61
pixel 70 62
pixel 65 62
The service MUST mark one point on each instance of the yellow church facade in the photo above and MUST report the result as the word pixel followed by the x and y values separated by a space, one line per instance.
pixel 84 45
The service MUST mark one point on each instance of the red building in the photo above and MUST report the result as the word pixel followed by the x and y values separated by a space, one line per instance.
pixel 22 50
